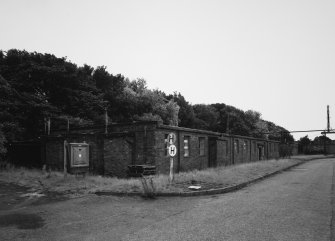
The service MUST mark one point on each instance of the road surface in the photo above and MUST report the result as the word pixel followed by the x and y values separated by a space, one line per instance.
pixel 295 205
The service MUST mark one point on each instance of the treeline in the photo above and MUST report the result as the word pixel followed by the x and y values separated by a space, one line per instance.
pixel 315 146
pixel 35 86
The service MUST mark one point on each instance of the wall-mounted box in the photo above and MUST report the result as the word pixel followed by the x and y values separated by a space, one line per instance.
pixel 79 157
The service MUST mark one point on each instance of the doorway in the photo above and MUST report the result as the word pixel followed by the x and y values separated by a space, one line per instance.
pixel 260 152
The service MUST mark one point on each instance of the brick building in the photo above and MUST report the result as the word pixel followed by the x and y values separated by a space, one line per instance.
pixel 146 143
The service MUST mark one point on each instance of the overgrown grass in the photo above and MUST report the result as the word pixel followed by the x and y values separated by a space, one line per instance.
pixel 207 179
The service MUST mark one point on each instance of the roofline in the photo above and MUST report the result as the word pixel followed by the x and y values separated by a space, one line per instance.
pixel 177 128
pixel 167 127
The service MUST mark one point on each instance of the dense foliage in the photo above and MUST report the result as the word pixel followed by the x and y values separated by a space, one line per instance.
pixel 35 86
pixel 316 146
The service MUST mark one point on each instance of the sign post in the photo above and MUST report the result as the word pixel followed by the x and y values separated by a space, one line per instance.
pixel 172 150
pixel 171 170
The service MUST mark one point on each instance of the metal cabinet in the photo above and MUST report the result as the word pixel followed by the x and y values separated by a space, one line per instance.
pixel 79 155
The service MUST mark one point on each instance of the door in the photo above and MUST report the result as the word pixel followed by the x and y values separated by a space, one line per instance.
pixel 260 152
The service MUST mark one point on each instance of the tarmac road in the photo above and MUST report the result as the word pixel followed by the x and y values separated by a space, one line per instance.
pixel 295 205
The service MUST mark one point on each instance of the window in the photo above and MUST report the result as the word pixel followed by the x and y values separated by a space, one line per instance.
pixel 186 146
pixel 245 146
pixel 201 146
pixel 236 146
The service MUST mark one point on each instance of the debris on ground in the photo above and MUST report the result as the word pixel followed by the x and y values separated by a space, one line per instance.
pixel 194 187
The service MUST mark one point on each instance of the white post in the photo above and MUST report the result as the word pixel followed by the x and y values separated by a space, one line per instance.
pixel 171 169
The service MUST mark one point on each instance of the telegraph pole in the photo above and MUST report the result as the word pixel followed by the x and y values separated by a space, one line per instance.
pixel 106 121
pixel 328 123
pixel 227 127
pixel 328 131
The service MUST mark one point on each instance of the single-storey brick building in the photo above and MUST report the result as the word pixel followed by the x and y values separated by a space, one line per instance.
pixel 146 143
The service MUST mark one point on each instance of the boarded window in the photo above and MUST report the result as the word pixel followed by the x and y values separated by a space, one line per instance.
pixel 201 146
pixel 186 146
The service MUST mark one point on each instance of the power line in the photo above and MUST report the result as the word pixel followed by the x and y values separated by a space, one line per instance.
pixel 323 130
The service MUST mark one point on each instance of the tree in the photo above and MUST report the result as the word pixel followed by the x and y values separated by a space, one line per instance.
pixel 186 116
pixel 321 140
pixel 155 103
pixel 35 86
pixel 206 117
pixel 304 145
pixel 102 78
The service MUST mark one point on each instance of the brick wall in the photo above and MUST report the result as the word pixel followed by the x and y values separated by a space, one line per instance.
pixel 241 150
pixel 273 150
pixel 181 162
pixel 54 151
pixel 144 142
pixel 194 160
pixel 117 156
pixel 162 160
pixel 54 154
pixel 223 152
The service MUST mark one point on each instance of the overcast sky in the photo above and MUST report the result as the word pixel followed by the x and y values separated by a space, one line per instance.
pixel 275 57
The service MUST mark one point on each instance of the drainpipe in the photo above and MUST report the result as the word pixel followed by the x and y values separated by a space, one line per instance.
pixel 179 152
pixel 49 124
pixel 232 144
pixel 250 147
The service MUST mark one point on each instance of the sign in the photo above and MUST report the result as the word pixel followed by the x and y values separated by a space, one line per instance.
pixel 172 150
pixel 171 138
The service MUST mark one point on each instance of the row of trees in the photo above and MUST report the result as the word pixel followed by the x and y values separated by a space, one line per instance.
pixel 35 86
pixel 315 146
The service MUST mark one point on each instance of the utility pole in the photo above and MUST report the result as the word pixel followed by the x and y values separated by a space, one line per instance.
pixel 328 123
pixel 328 131
pixel 68 125
pixel 106 121
pixel 227 128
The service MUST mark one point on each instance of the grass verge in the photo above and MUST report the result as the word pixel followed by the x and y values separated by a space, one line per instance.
pixel 211 178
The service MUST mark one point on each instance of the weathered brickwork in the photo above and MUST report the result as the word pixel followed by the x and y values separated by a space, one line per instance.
pixel 194 160
pixel 54 151
pixel 145 143
pixel 54 154
pixel 223 155
pixel 117 156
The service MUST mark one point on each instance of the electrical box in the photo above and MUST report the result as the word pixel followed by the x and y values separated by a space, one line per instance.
pixel 79 155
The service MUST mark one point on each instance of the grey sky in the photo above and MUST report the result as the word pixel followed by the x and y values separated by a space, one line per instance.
pixel 275 57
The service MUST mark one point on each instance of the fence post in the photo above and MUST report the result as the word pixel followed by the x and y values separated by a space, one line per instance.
pixel 65 159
